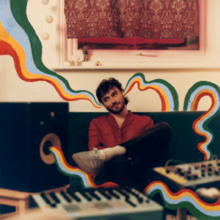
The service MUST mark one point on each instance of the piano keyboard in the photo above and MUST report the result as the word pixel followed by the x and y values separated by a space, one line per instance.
pixel 101 203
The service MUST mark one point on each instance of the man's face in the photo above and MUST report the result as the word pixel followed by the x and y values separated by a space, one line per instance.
pixel 114 100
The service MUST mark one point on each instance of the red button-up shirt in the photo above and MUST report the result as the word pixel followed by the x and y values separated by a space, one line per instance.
pixel 104 131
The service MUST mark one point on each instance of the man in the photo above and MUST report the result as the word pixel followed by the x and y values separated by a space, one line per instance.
pixel 122 146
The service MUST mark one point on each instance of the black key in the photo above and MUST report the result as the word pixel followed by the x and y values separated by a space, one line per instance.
pixel 54 197
pixel 121 191
pixel 111 192
pixel 139 199
pixel 130 203
pixel 94 195
pixel 45 198
pixel 73 195
pixel 48 200
pixel 88 198
pixel 63 194
pixel 129 191
pixel 104 193
pixel 135 194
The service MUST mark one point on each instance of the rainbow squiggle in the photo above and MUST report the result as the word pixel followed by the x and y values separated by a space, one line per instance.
pixel 68 170
pixel 184 198
pixel 200 126
pixel 167 93
pixel 19 40
pixel 18 37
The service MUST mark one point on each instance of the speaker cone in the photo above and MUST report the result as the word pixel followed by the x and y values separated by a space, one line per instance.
pixel 49 140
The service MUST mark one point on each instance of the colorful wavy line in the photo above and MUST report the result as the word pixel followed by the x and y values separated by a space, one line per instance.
pixel 167 93
pixel 184 198
pixel 200 126
pixel 68 170
pixel 19 40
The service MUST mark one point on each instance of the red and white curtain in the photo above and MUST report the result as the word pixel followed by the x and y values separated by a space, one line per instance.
pixel 151 19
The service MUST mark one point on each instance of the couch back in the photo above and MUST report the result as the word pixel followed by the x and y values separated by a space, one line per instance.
pixel 183 145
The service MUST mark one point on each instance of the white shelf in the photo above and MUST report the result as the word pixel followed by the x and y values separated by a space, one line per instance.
pixel 136 67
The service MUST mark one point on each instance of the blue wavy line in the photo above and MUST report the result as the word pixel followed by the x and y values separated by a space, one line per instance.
pixel 14 29
pixel 69 173
pixel 166 90
pixel 201 123
pixel 184 199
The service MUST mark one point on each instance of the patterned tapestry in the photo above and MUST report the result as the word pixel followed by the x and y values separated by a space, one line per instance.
pixel 151 19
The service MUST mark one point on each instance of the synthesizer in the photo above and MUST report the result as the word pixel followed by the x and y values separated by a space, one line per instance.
pixel 100 204
pixel 190 175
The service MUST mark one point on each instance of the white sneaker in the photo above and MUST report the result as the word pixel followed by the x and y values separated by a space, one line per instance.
pixel 89 161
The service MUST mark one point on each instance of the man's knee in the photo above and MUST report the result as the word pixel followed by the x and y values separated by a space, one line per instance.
pixel 165 126
pixel 118 162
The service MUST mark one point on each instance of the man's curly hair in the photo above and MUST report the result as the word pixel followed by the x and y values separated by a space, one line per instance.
pixel 106 85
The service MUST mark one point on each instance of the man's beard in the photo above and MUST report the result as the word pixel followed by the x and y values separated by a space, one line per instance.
pixel 117 111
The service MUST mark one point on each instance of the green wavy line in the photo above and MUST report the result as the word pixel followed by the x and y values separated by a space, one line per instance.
pixel 161 81
pixel 18 9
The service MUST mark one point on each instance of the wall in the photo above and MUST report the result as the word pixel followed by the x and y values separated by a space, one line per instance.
pixel 13 89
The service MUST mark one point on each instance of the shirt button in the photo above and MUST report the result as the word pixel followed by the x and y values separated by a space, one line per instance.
pixel 119 139
pixel 119 130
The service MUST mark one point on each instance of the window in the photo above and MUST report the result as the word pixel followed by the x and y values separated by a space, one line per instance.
pixel 206 57
pixel 151 25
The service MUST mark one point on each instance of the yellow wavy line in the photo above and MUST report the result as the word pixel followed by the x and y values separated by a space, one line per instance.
pixel 72 169
pixel 177 197
pixel 152 86
pixel 5 36
pixel 204 115
pixel 198 94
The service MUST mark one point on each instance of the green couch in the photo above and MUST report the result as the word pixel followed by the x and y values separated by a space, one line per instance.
pixel 183 146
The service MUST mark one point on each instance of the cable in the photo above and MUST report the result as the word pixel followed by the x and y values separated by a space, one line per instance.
pixel 176 161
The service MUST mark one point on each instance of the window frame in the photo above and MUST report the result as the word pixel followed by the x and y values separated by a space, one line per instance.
pixel 208 56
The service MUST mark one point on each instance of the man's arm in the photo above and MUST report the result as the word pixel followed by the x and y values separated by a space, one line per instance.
pixel 144 123
pixel 94 137
pixel 150 124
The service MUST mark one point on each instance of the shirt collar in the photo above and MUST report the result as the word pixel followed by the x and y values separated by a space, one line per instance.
pixel 129 118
